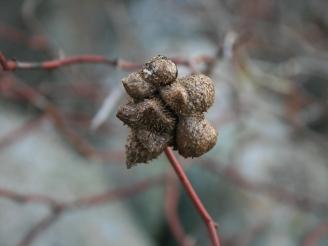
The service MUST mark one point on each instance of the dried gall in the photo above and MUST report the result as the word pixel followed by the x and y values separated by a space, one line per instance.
pixel 175 97
pixel 137 87
pixel 136 152
pixel 159 71
pixel 195 136
pixel 189 95
pixel 154 142
pixel 166 111
pixel 149 114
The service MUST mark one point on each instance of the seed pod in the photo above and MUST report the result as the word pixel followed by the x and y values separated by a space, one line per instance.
pixel 149 114
pixel 195 136
pixel 136 152
pixel 189 95
pixel 137 87
pixel 159 71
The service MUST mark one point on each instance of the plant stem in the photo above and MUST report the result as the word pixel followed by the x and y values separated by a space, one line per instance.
pixel 12 64
pixel 9 65
pixel 211 225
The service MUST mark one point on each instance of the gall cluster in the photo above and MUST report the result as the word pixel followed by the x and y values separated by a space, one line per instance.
pixel 164 110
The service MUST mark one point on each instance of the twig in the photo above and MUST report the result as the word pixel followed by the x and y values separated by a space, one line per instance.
pixel 119 193
pixel 11 65
pixel 32 198
pixel 20 131
pixel 83 202
pixel 40 227
pixel 211 225
pixel 39 101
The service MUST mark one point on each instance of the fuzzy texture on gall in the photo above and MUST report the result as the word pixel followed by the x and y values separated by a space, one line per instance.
pixel 149 114
pixel 189 95
pixel 137 87
pixel 154 142
pixel 159 71
pixel 195 136
pixel 136 152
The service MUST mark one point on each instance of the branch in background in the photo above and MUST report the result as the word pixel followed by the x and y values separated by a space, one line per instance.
pixel 32 198
pixel 172 217
pixel 83 202
pixel 211 225
pixel 20 132
pixel 120 193
pixel 314 237
pixel 11 65
pixel 16 89
pixel 57 208
pixel 19 89
pixel 40 227
pixel 36 42
pixel 301 202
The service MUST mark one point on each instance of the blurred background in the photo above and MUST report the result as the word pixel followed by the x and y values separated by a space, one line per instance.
pixel 265 182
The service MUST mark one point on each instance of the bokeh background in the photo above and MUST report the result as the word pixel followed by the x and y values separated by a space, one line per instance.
pixel 265 182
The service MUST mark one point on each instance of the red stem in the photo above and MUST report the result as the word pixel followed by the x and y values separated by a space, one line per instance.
pixel 9 65
pixel 12 64
pixel 211 225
